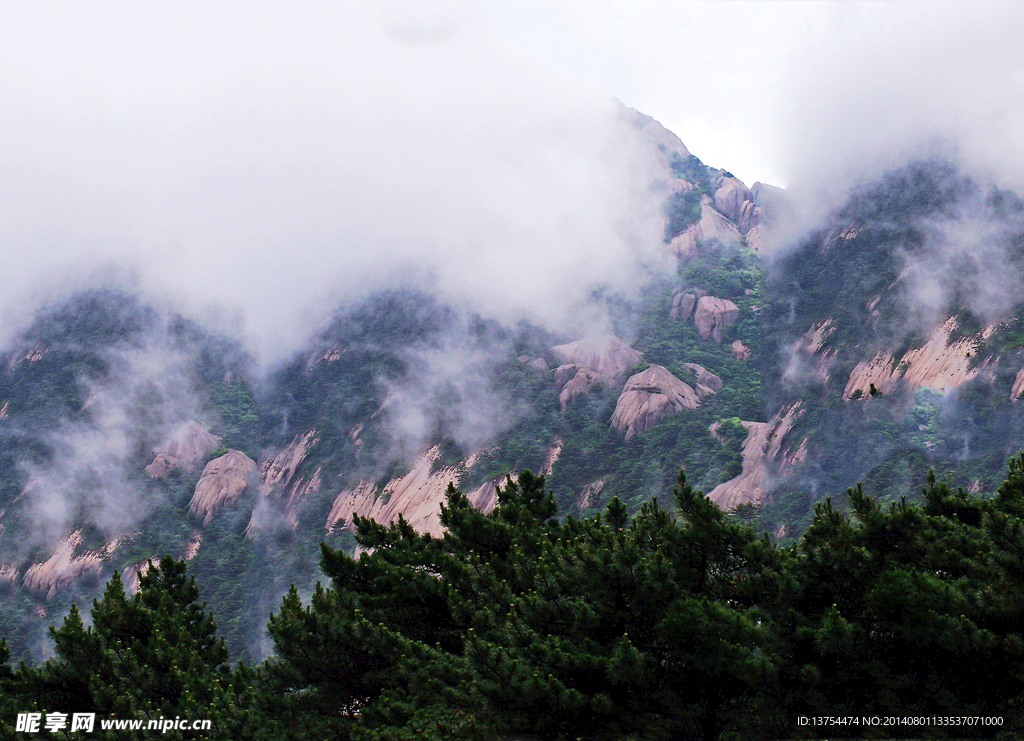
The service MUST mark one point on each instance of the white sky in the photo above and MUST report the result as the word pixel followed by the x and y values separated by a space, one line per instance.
pixel 745 84
pixel 259 161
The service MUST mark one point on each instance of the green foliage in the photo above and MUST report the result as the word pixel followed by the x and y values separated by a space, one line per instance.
pixel 664 625
pixel 153 654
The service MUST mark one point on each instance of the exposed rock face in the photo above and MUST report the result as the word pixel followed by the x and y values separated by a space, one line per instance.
pixel 755 239
pixel 417 496
pixel 538 364
pixel 278 472
pixel 8 572
pixel 184 450
pixel 650 396
pixel 938 365
pixel 590 492
pixel 608 355
pixel 132 573
pixel 192 547
pixel 551 457
pixel 63 567
pixel 659 141
pixel 1018 385
pixel 809 356
pixel 879 371
pixel 762 446
pixel 711 383
pixel 740 351
pixel 750 217
pixel 683 305
pixel 713 316
pixel 4 407
pixel 581 379
pixel 222 482
pixel 730 197
pixel 591 361
pixel 712 225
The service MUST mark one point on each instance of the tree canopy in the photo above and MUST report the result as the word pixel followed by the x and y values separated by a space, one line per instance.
pixel 679 622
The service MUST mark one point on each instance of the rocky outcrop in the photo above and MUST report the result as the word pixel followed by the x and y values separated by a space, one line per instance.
pixel 417 496
pixel 683 304
pixel 658 141
pixel 650 396
pixel 4 407
pixel 750 217
pixel 939 364
pixel 712 226
pixel 223 481
pixel 551 457
pixel 880 372
pixel 607 355
pixel 739 350
pixel 185 449
pixel 278 472
pixel 755 239
pixel 587 362
pixel 580 380
pixel 764 445
pixel 707 382
pixel 1018 386
pixel 590 492
pixel 730 196
pixel 713 316
pixel 64 567
pixel 192 547
pixel 132 574
pixel 538 364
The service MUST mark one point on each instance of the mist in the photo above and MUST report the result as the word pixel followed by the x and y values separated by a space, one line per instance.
pixel 879 84
pixel 256 166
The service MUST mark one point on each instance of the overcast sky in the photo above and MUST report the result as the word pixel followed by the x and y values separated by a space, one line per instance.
pixel 257 162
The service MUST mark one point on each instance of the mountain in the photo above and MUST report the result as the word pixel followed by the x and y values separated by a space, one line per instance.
pixel 883 342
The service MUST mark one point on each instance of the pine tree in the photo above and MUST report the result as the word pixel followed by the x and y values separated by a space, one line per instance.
pixel 155 654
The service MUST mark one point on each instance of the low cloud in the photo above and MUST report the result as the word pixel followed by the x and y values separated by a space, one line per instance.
pixel 262 164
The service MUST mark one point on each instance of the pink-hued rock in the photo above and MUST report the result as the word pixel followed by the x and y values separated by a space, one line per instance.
pixel 712 225
pixel 184 450
pixel 713 316
pixel 763 446
pixel 1018 385
pixel 607 355
pixel 740 351
pixel 417 496
pixel 706 378
pixel 223 481
pixel 63 567
pixel 750 217
pixel 650 396
pixel 730 197
pixel 939 364
pixel 682 306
